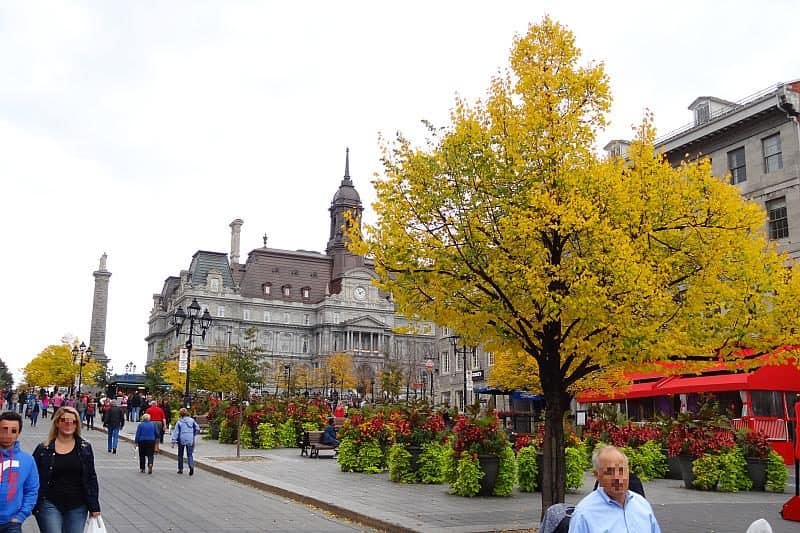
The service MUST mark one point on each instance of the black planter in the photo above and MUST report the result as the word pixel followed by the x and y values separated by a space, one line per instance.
pixel 673 468
pixel 490 464
pixel 757 471
pixel 539 470
pixel 415 452
pixel 686 463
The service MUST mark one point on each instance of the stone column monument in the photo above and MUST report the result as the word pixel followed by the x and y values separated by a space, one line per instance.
pixel 97 334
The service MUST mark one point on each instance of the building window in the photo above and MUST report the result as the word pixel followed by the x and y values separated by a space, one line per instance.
pixel 220 311
pixel 267 289
pixel 778 221
pixel 305 345
pixel 736 165
pixel 444 362
pixel 460 359
pixel 490 359
pixel 213 284
pixel 773 159
pixel 475 361
pixel 701 114
pixel 246 314
pixel 306 293
pixel 305 319
pixel 460 400
pixel 287 290
pixel 286 318
pixel 267 316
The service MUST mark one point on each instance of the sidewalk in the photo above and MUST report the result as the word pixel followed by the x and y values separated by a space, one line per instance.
pixel 373 500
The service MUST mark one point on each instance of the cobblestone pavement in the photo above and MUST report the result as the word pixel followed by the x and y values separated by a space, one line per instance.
pixel 429 508
pixel 164 501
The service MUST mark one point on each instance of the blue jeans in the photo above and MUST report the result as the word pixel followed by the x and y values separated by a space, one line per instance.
pixel 189 458
pixel 135 414
pixel 51 520
pixel 11 527
pixel 113 438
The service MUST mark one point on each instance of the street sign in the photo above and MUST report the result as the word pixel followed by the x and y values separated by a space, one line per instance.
pixel 182 359
pixel 469 384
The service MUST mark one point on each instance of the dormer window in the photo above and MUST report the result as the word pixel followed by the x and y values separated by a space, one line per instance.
pixel 287 290
pixel 213 284
pixel 702 113
pixel 267 289
pixel 306 293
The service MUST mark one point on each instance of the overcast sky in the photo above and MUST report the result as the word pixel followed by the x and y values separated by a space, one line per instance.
pixel 141 129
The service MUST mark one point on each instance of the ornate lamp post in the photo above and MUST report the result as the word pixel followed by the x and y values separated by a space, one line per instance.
pixel 287 369
pixel 130 368
pixel 454 342
pixel 204 322
pixel 80 356
pixel 429 367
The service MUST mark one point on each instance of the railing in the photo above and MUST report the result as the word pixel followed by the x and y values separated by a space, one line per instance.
pixel 719 113
pixel 773 428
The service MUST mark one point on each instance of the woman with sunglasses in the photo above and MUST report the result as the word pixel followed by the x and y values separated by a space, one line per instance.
pixel 67 478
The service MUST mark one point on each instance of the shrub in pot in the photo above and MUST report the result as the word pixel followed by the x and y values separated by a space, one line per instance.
pixel 776 472
pixel 755 447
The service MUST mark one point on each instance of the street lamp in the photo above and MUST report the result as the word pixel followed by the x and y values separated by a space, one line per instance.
pixel 130 368
pixel 178 319
pixel 80 356
pixel 454 342
pixel 288 371
pixel 429 367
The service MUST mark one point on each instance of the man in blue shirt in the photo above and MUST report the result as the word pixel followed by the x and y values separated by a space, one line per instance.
pixel 612 508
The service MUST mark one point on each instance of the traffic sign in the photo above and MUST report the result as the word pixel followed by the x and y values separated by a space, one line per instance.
pixel 182 360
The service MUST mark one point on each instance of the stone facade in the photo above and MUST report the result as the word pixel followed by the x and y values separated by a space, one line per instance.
pixel 755 143
pixel 97 332
pixel 303 305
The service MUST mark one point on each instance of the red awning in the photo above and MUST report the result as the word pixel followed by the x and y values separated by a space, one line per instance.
pixel 715 383
pixel 637 390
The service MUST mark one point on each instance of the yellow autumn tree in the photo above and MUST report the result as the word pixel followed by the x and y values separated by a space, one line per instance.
pixel 340 368
pixel 508 229
pixel 54 366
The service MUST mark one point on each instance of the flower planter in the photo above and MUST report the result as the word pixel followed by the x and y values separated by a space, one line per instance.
pixel 415 452
pixel 673 468
pixel 686 463
pixel 490 464
pixel 757 471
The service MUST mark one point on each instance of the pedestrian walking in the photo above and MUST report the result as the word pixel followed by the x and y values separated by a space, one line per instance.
pixel 157 416
pixel 91 410
pixel 167 409
pixel 65 463
pixel 35 412
pixel 45 404
pixel 184 435
pixel 19 480
pixel 80 406
pixel 113 421
pixel 145 439
pixel 134 405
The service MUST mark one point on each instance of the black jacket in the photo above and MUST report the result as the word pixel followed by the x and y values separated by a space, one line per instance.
pixel 113 417
pixel 44 455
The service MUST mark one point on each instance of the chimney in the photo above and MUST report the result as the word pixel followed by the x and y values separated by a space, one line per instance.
pixel 236 230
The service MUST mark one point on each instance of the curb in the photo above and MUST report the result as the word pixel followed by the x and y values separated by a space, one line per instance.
pixel 336 510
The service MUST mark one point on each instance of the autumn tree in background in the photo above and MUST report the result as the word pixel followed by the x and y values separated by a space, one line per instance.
pixel 391 379
pixel 6 378
pixel 508 229
pixel 54 366
pixel 339 366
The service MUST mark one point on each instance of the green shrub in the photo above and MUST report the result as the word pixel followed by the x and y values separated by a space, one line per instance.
pixel 527 469
pixel 266 436
pixel 576 465
pixel 647 461
pixel 287 434
pixel 246 437
pixel 433 463
pixel 506 473
pixel 706 471
pixel 348 456
pixel 364 457
pixel 776 472
pixel 733 471
pixel 467 478
pixel 399 460
pixel 225 432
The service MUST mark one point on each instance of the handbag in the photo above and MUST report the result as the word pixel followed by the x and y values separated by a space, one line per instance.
pixel 95 524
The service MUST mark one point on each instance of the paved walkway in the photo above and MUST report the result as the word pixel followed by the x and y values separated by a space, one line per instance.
pixel 373 500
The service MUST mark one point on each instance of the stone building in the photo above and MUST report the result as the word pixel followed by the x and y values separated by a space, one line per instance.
pixel 756 143
pixel 303 305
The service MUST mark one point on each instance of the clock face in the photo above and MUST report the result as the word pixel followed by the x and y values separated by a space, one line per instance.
pixel 360 293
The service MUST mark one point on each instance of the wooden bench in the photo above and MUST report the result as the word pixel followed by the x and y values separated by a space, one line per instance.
pixel 312 444
pixel 202 422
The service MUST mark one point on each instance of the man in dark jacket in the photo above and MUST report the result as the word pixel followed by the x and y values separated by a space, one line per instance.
pixel 113 421
pixel 329 437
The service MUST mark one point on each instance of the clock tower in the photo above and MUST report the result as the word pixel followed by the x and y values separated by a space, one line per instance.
pixel 346 200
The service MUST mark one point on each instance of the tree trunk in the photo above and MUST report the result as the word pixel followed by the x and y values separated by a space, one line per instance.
pixel 554 475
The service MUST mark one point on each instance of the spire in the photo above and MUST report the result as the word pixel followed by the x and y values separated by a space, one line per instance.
pixel 346 179
pixel 265 240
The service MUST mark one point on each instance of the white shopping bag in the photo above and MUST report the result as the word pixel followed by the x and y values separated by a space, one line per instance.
pixel 94 524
